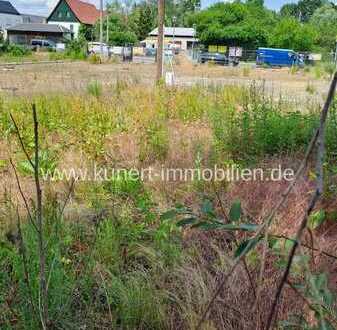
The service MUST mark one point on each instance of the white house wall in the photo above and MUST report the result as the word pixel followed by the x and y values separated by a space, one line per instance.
pixel 151 42
pixel 7 20
pixel 75 27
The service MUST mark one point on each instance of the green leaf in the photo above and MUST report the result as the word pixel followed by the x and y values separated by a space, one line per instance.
pixel 244 227
pixel 227 227
pixel 207 207
pixel 25 168
pixel 207 225
pixel 250 243
pixel 235 211
pixel 316 219
pixel 3 164
pixel 169 215
pixel 186 222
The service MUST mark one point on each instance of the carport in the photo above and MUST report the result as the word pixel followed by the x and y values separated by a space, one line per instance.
pixel 22 34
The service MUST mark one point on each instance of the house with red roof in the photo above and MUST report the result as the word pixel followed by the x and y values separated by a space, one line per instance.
pixel 72 13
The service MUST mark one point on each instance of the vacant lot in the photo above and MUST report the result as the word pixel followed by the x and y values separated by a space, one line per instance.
pixel 121 252
pixel 74 77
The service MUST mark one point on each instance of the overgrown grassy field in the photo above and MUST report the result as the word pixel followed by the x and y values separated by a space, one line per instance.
pixel 116 258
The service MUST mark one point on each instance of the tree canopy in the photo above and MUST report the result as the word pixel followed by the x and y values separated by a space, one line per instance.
pixel 289 33
pixel 234 24
pixel 325 21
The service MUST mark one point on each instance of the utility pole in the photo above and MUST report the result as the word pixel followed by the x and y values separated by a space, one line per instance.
pixel 174 19
pixel 107 26
pixel 160 48
pixel 101 27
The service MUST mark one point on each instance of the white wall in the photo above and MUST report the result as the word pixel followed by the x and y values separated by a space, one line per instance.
pixel 71 26
pixel 7 20
pixel 150 41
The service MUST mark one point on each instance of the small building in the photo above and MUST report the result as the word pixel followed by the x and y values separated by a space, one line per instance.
pixel 180 37
pixel 72 13
pixel 9 16
pixel 22 34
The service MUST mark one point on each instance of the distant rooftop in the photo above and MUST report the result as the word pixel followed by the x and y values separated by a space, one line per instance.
pixel 27 18
pixel 38 27
pixel 86 13
pixel 177 31
pixel 7 8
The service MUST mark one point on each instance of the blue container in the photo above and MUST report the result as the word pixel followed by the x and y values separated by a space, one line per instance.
pixel 278 57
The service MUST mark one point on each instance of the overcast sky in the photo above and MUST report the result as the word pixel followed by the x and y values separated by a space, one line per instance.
pixel 43 7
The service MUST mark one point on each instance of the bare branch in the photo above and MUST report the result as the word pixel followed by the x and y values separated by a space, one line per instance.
pixel 312 248
pixel 70 191
pixel 39 221
pixel 23 196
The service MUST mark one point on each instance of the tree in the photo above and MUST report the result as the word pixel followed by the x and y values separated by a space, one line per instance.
pixel 303 10
pixel 120 33
pixel 290 9
pixel 237 23
pixel 306 8
pixel 142 20
pixel 256 3
pixel 289 33
pixel 325 20
pixel 86 32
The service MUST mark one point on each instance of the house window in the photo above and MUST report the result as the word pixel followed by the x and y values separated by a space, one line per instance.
pixel 68 14
pixel 71 27
pixel 60 15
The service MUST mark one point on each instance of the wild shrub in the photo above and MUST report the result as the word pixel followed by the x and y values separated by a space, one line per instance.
pixel 310 89
pixel 294 69
pixel 94 59
pixel 76 49
pixel 246 71
pixel 329 68
pixel 94 88
pixel 259 128
pixel 154 142
pixel 14 50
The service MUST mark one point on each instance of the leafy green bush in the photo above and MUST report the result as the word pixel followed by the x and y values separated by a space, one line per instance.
pixel 260 128
pixel 14 50
pixel 76 49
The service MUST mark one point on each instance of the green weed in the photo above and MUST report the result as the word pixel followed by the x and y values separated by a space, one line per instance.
pixel 94 88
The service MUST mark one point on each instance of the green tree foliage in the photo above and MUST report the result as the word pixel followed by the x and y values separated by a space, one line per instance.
pixel 290 33
pixel 87 32
pixel 179 12
pixel 306 8
pixel 290 9
pixel 142 20
pixel 120 32
pixel 303 10
pixel 235 24
pixel 325 20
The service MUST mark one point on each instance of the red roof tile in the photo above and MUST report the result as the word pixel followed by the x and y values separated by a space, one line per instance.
pixel 85 12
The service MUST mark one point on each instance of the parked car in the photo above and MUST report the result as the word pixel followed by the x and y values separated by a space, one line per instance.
pixel 95 48
pixel 42 43
pixel 216 58
pixel 151 52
